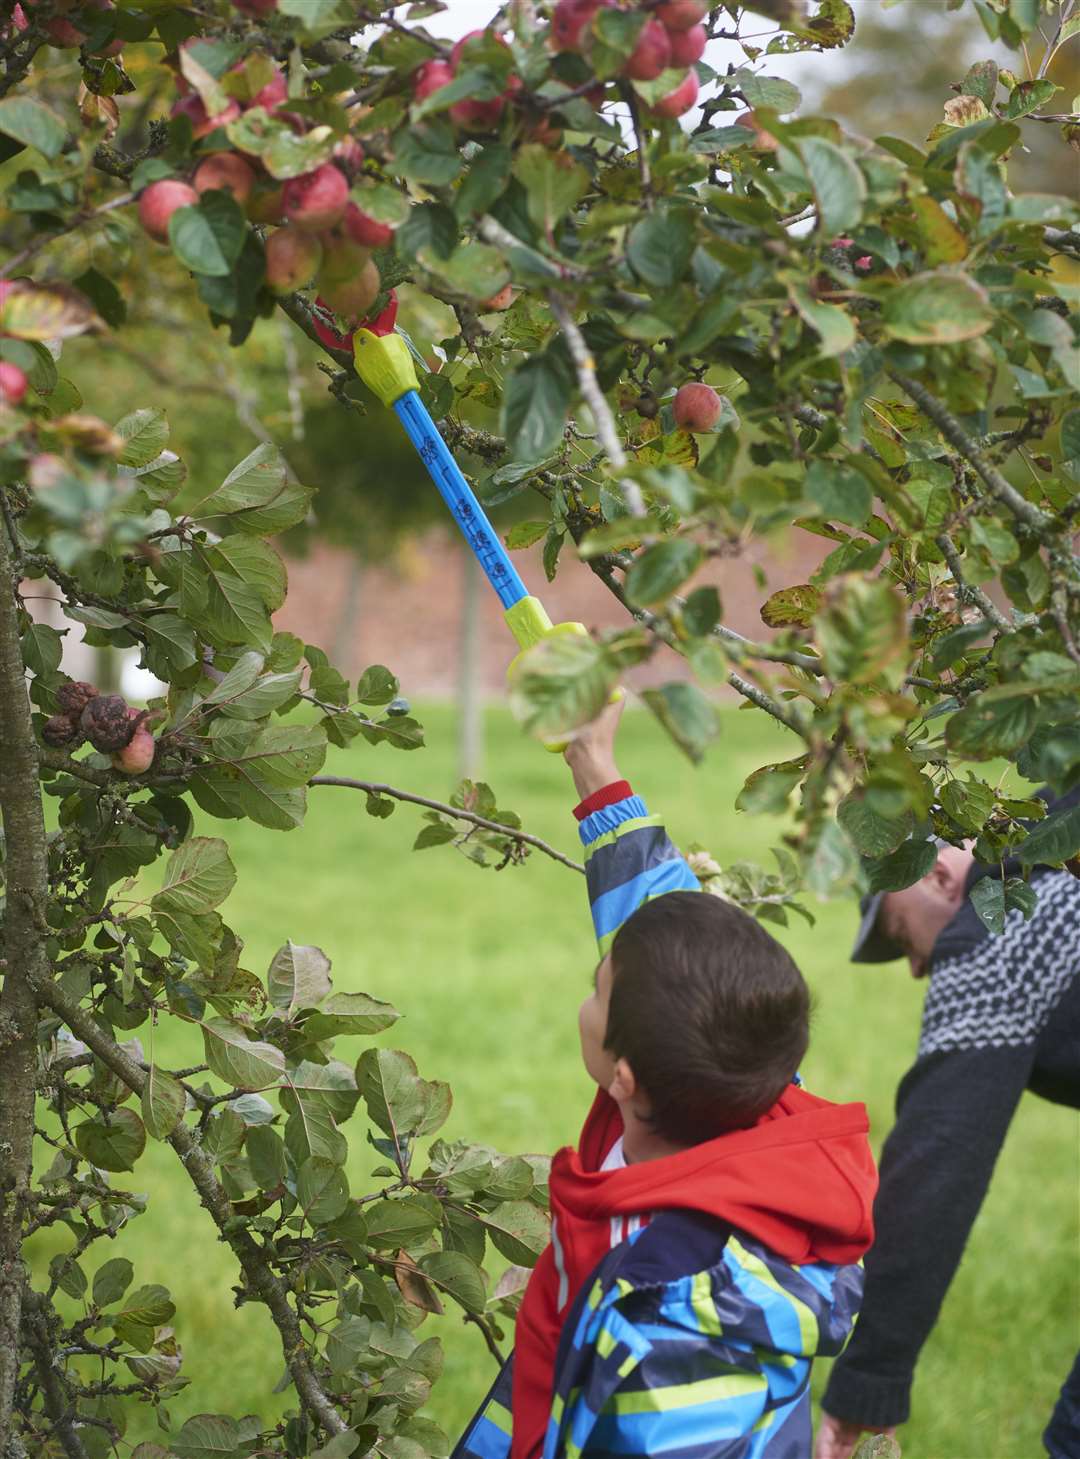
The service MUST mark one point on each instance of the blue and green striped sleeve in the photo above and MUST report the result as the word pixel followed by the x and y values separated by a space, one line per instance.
pixel 629 859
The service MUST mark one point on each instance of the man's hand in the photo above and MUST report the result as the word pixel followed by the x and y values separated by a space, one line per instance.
pixel 591 753
pixel 836 1438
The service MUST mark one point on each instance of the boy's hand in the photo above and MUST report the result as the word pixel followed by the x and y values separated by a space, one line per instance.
pixel 591 753
pixel 837 1439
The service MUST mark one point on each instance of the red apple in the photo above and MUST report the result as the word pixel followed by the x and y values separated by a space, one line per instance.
pixel 316 200
pixel 349 156
pixel 431 76
pixel 676 102
pixel 12 383
pixel 569 21
pixel 362 228
pixel 696 407
pixel 202 125
pixel 352 298
pixel 226 172
pixel 272 94
pixel 255 7
pixel 498 302
pixel 478 116
pixel 651 54
pixel 687 46
pixel 160 201
pixel 138 754
pixel 681 14
pixel 293 258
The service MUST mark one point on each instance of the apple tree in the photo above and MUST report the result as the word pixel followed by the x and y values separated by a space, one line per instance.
pixel 678 318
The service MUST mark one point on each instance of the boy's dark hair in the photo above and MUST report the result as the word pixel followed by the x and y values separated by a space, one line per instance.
pixel 709 1011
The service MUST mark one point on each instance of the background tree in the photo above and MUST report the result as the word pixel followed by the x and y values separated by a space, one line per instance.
pixel 890 326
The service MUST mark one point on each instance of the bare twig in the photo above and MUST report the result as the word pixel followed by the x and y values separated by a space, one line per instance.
pixel 594 399
pixel 976 595
pixel 1024 511
pixel 1048 55
pixel 374 788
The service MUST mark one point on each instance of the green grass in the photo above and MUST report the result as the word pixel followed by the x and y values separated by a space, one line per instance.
pixel 489 968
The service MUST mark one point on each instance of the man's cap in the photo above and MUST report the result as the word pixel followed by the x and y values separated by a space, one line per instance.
pixel 871 943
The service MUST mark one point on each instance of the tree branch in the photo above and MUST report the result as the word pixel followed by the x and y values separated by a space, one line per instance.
pixel 374 788
pixel 976 595
pixel 24 951
pixel 200 1170
pixel 1023 510
pixel 57 1403
pixel 594 399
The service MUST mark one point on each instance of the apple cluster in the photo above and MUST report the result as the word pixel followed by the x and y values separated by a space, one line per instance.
pixel 62 26
pixel 673 38
pixel 324 237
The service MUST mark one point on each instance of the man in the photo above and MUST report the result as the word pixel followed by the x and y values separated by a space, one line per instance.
pixel 1002 1014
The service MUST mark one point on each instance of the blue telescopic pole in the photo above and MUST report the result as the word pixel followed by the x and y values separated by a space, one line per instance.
pixel 458 496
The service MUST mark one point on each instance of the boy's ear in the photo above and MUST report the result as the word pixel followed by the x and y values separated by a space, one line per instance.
pixel 623 1085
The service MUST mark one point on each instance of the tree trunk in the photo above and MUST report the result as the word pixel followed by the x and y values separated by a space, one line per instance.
pixel 24 955
pixel 470 696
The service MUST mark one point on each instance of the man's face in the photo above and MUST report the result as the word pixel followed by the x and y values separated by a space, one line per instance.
pixel 592 1025
pixel 914 917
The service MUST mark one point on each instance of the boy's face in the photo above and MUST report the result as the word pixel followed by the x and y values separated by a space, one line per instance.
pixel 592 1025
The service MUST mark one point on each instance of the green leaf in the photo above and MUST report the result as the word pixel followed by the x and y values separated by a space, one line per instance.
pixel 144 433
pixel 1070 440
pixel 688 716
pixel 937 308
pixel 553 181
pixel 45 311
pixel 909 863
pixel 112 1280
pixel 265 1153
pixel 456 1274
pixel 861 628
pixel 349 1013
pixel 198 877
pixel 659 247
pixel 377 685
pixel 242 1062
pixel 792 607
pixel 519 1230
pixel 840 492
pixel 163 1103
pixel 171 644
pixel 322 1190
pixel 486 180
pixel 872 834
pixel 426 153
pixel 256 563
pixel 1028 97
pixel 113 1145
pixel 832 323
pixel 207 1436
pixel 298 977
pixel 1053 841
pixel 988 899
pixel 560 683
pixel 430 226
pixel 403 1221
pixel 208 237
pixel 42 649
pixel 399 1102
pixel 257 496
pixel 984 729
pixel 524 534
pixel 536 398
pixel 661 570
pixel 473 270
pixel 770 91
pixel 838 186
pixel 34 124
pixel 831 863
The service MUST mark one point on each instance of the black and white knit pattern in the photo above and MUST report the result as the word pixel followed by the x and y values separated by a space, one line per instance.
pixel 1003 991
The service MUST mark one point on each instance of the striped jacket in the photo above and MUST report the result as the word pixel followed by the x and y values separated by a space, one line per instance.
pixel 691 1337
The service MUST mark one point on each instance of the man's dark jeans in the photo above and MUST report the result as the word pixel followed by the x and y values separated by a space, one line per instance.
pixel 1062 1436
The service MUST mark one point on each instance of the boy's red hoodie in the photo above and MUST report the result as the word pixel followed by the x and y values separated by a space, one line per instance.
pixel 801 1181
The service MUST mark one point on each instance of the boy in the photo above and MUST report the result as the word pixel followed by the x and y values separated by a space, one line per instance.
pixel 705 1232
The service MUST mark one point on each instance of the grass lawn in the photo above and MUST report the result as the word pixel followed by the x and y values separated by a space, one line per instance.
pixel 489 968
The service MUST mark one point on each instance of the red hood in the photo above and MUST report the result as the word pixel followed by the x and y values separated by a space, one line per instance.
pixel 802 1180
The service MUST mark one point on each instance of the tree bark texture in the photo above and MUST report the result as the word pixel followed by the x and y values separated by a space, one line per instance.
pixel 24 957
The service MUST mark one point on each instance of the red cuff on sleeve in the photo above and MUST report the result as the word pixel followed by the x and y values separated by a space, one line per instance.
pixel 610 795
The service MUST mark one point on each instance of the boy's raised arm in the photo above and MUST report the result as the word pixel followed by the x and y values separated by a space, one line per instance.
pixel 628 856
